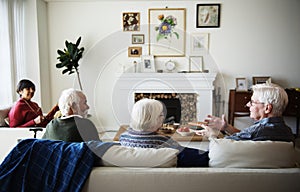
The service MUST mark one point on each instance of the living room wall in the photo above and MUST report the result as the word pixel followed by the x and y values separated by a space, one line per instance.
pixel 256 38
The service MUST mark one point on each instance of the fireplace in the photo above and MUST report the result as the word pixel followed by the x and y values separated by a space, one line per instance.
pixel 194 91
pixel 181 107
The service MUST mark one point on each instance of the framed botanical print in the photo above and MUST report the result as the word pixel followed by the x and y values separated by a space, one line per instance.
pixel 131 21
pixel 167 32
pixel 208 15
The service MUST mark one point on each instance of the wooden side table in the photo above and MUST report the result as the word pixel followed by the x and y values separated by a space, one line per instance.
pixel 293 107
pixel 237 104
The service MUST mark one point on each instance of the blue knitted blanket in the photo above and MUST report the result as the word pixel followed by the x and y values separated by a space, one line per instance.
pixel 45 165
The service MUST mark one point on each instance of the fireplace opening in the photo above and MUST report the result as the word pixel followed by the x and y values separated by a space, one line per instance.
pixel 181 107
pixel 171 101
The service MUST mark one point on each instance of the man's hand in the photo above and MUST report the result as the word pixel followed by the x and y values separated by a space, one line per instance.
pixel 208 131
pixel 216 122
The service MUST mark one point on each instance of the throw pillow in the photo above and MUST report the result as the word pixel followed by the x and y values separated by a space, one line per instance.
pixel 122 156
pixel 251 154
pixel 3 114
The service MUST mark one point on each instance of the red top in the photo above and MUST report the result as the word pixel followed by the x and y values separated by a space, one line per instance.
pixel 23 113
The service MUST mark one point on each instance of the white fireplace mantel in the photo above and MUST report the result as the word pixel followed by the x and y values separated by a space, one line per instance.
pixel 130 83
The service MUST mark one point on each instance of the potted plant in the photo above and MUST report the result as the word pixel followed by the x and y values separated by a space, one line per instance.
pixel 69 58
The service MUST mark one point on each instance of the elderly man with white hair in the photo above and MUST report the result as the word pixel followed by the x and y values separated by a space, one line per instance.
pixel 266 107
pixel 73 125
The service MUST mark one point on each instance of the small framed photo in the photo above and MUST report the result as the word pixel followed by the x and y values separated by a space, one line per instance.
pixel 241 84
pixel 147 64
pixel 137 39
pixel 195 64
pixel 208 15
pixel 131 21
pixel 259 80
pixel 199 42
pixel 134 51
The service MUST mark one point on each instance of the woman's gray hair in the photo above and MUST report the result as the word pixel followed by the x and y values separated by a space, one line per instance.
pixel 147 115
pixel 68 99
pixel 270 93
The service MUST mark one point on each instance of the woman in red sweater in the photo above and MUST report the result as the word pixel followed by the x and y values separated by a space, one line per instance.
pixel 26 113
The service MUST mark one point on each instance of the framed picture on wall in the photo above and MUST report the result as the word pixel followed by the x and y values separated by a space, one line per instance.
pixel 147 64
pixel 131 21
pixel 167 32
pixel 134 51
pixel 199 43
pixel 241 84
pixel 259 80
pixel 208 15
pixel 137 39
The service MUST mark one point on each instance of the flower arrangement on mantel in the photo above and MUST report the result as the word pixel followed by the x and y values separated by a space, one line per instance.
pixel 69 58
pixel 166 27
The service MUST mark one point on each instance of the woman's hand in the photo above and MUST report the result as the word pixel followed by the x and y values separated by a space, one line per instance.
pixel 39 119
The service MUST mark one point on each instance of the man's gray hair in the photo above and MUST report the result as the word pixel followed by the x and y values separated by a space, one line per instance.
pixel 69 98
pixel 270 93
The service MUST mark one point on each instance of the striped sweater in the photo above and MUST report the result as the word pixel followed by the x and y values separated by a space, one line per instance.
pixel 143 139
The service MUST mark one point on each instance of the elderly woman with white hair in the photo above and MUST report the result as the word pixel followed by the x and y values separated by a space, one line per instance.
pixel 147 117
pixel 73 125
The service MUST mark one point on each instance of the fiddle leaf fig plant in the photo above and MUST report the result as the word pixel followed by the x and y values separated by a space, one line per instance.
pixel 69 58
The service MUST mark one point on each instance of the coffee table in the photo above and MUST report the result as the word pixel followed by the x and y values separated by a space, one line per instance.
pixel 175 136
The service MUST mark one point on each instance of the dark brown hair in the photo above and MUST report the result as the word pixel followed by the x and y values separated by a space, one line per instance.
pixel 25 83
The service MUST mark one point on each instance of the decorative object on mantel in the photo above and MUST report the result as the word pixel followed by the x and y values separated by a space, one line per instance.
pixel 196 64
pixel 131 21
pixel 147 64
pixel 135 66
pixel 170 66
pixel 167 32
pixel 199 43
pixel 258 80
pixel 241 84
pixel 70 57
pixel 208 15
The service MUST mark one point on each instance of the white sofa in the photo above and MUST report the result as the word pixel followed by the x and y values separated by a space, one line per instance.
pixel 129 177
pixel 109 178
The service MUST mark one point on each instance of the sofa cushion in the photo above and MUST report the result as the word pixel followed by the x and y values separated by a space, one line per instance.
pixel 251 154
pixel 3 114
pixel 122 156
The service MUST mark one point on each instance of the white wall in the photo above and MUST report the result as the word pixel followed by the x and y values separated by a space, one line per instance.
pixel 32 65
pixel 256 38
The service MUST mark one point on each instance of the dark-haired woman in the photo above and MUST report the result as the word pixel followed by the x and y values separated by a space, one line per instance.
pixel 26 113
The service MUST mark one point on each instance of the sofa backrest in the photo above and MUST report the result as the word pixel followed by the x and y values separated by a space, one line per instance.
pixel 4 114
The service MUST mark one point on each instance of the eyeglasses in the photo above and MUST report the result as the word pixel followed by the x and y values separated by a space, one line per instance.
pixel 251 103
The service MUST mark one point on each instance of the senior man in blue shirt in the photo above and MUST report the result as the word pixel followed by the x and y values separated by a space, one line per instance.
pixel 267 105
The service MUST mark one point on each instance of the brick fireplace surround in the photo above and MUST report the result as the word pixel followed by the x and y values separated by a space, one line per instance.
pixel 128 84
